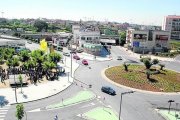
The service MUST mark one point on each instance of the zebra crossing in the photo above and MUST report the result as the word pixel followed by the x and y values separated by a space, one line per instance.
pixel 3 111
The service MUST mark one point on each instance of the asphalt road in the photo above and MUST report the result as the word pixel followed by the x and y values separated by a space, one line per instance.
pixel 136 106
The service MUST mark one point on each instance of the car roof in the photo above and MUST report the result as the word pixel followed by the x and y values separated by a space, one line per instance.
pixel 107 87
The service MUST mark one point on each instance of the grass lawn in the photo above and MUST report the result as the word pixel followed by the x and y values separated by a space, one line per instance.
pixel 166 81
pixel 175 44
pixel 171 115
pixel 101 114
pixel 78 98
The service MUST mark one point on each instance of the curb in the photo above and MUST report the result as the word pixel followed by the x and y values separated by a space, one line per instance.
pixel 75 103
pixel 134 89
pixel 43 97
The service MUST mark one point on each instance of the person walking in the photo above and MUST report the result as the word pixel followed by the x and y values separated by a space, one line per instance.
pixel 56 117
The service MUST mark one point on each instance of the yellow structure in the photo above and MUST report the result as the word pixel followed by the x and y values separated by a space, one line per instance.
pixel 43 45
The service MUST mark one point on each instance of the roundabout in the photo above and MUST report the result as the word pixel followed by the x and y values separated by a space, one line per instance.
pixel 135 77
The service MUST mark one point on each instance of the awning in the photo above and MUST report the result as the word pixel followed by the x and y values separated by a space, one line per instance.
pixel 108 40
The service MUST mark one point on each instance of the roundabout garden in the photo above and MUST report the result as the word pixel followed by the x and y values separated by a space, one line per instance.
pixel 149 76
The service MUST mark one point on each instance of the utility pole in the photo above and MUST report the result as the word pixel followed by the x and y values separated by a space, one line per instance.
pixel 170 101
pixel 2 13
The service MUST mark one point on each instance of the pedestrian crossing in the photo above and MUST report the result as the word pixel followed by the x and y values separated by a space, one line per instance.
pixel 3 111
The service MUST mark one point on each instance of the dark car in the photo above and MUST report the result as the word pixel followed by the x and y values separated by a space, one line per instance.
pixel 108 90
pixel 66 54
pixel 79 51
pixel 76 57
pixel 119 58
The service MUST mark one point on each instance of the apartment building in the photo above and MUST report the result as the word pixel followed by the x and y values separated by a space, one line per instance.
pixel 172 23
pixel 145 41
pixel 87 37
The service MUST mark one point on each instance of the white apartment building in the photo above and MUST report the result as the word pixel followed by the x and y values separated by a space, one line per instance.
pixel 172 23
pixel 88 38
pixel 75 31
pixel 144 41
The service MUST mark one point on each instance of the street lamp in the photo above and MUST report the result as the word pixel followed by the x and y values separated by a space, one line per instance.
pixel 71 63
pixel 129 92
pixel 15 92
pixel 170 101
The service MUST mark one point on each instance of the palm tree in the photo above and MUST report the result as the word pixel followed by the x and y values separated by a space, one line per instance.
pixel 24 55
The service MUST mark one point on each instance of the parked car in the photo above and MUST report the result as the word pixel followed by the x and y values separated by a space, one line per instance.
pixel 73 52
pixel 84 62
pixel 119 58
pixel 66 54
pixel 30 42
pixel 76 57
pixel 59 48
pixel 108 90
pixel 79 51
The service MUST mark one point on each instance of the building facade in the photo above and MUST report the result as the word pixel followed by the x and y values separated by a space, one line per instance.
pixel 61 39
pixel 172 23
pixel 145 41
pixel 87 37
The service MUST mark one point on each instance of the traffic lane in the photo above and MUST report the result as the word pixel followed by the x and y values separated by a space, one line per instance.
pixel 172 65
pixel 115 52
pixel 70 91
pixel 94 77
pixel 66 113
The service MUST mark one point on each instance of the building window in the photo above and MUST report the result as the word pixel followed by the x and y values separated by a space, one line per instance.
pixel 83 38
pixel 89 38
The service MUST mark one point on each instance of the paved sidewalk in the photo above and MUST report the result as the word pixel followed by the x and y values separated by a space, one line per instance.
pixel 44 90
pixel 151 56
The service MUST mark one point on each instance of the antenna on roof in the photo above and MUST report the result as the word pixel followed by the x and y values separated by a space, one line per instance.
pixel 2 13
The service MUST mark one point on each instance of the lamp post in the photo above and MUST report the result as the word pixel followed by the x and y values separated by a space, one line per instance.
pixel 170 101
pixel 129 92
pixel 15 84
pixel 71 63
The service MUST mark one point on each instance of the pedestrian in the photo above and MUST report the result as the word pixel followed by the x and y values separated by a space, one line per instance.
pixel 56 117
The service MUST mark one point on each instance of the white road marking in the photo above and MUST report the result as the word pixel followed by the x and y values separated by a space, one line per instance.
pixel 35 110
pixel 91 104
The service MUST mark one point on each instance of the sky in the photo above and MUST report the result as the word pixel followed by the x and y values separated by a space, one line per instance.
pixel 147 12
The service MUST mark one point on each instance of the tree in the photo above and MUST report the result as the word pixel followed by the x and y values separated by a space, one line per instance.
pixel 19 111
pixel 122 38
pixel 24 54
pixel 161 66
pixel 126 66
pixel 21 81
pixel 41 25
pixel 148 73
pixel 55 57
pixel 148 62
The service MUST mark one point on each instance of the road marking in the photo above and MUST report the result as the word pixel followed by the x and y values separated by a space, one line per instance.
pixel 3 110
pixel 2 113
pixel 99 97
pixel 91 104
pixel 35 110
pixel 1 116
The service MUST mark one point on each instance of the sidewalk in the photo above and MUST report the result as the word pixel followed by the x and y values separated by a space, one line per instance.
pixel 44 90
pixel 151 56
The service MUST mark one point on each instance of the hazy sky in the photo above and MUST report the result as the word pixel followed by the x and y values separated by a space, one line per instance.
pixel 132 11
